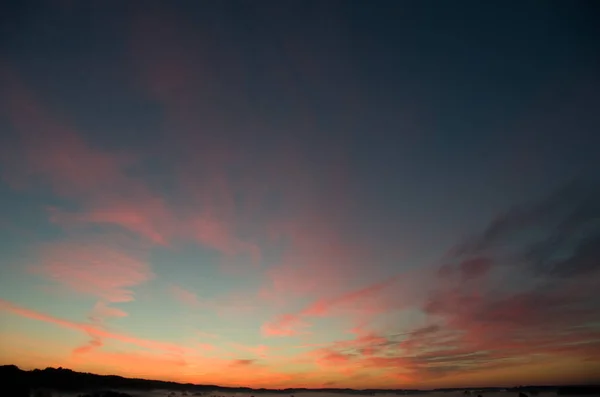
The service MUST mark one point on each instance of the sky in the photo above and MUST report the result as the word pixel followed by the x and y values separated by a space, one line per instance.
pixel 362 194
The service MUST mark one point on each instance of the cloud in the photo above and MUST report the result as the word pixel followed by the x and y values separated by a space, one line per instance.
pixel 316 252
pixel 489 307
pixel 558 220
pixel 90 329
pixel 169 72
pixel 366 299
pixel 192 367
pixel 284 325
pixel 218 234
pixel 100 267
pixel 324 307
pixel 102 311
pixel 228 304
pixel 184 296
pixel 92 344
pixel 243 363
pixel 556 237
pixel 96 268
pixel 49 151
pixel 104 188
pixel 535 268
pixel 252 198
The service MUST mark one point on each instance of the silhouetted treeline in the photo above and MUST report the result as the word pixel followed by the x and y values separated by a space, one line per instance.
pixel 68 380
pixel 19 383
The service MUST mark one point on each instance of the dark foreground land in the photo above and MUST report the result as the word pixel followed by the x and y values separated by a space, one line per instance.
pixel 20 383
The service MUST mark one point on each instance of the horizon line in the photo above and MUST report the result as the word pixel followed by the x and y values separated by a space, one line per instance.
pixel 316 389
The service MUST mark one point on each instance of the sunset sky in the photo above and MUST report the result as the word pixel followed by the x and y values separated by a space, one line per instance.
pixel 302 193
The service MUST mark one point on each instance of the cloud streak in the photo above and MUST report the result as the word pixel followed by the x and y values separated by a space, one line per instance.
pixel 364 300
pixel 51 151
pixel 89 329
pixel 93 268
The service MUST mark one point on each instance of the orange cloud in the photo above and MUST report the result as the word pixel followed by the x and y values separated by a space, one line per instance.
pixel 92 344
pixel 285 325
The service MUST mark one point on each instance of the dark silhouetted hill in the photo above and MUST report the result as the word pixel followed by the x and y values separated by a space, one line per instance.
pixel 19 383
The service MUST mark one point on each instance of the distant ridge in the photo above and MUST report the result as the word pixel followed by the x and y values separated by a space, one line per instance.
pixel 68 380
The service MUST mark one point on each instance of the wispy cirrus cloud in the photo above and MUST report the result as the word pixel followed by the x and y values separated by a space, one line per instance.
pixel 184 296
pixel 168 73
pixel 101 311
pixel 101 268
pixel 361 300
pixel 89 329
pixel 94 268
pixel 192 365
pixel 47 149
pixel 476 321
pixel 246 200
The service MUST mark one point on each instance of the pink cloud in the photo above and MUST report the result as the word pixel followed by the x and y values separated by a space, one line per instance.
pixel 102 311
pixel 230 211
pixel 316 253
pixel 219 235
pixel 92 330
pixel 361 304
pixel 354 298
pixel 184 296
pixel 169 73
pixel 285 325
pixel 94 343
pixel 479 321
pixel 95 269
pixel 52 152
pixel 147 218
pixel 333 359
pixel 470 331
pixel 224 305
